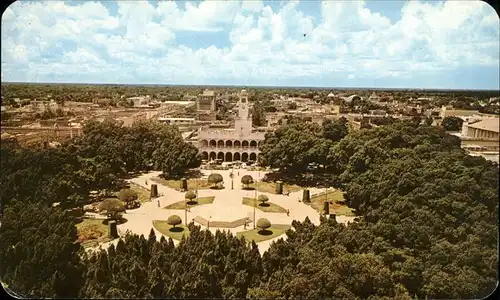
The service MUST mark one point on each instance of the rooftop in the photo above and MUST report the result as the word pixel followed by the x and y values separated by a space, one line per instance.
pixel 208 93
pixel 492 124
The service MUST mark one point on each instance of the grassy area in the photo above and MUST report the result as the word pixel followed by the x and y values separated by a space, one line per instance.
pixel 181 204
pixel 175 184
pixel 270 187
pixel 274 231
pixel 142 193
pixel 336 197
pixel 91 231
pixel 274 208
pixel 168 230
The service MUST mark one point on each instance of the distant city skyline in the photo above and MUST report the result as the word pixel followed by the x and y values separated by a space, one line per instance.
pixel 323 44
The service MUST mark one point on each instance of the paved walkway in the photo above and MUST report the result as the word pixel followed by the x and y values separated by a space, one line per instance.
pixel 226 207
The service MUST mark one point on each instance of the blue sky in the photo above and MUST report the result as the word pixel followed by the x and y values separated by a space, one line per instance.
pixel 382 44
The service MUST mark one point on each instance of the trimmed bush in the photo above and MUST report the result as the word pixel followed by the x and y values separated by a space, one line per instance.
pixel 215 178
pixel 263 223
pixel 190 195
pixel 112 207
pixel 262 199
pixel 246 180
pixel 174 220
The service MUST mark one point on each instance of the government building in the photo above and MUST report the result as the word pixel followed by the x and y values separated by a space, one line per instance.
pixel 240 143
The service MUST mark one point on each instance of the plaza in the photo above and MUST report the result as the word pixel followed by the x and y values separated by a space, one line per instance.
pixel 226 207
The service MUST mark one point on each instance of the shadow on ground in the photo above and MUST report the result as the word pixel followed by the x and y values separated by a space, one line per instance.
pixel 265 232
pixel 118 222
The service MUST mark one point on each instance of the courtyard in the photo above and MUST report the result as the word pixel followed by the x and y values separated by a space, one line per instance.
pixel 225 207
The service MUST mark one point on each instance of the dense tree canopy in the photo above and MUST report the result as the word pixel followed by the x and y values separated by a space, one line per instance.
pixel 97 160
pixel 258 114
pixel 428 228
pixel 452 123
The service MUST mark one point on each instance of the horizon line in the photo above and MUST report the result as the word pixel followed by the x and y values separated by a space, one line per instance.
pixel 255 86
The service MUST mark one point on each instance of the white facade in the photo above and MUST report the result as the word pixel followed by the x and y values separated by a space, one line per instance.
pixel 238 144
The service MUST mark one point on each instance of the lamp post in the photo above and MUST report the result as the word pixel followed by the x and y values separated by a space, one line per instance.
pixel 326 193
pixel 232 176
pixel 208 222
pixel 255 202
pixel 185 211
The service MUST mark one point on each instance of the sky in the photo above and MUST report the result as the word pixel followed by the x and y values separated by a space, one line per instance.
pixel 379 44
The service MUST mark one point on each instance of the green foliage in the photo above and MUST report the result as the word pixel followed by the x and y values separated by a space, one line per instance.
pixel 190 195
pixel 452 123
pixel 246 180
pixel 215 178
pixel 112 207
pixel 335 130
pixel 127 195
pixel 38 253
pixel 263 199
pixel 258 114
pixel 174 220
pixel 428 223
pixel 263 223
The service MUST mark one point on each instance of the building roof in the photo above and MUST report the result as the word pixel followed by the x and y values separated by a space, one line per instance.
pixel 208 93
pixel 331 95
pixel 492 124
pixel 350 98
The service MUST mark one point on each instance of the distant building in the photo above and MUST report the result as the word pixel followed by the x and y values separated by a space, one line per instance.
pixel 374 97
pixel 238 144
pixel 351 98
pixel 178 121
pixel 335 109
pixel 140 101
pixel 450 112
pixel 206 101
pixel 486 128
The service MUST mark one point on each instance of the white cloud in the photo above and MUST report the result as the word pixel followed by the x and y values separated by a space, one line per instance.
pixel 344 39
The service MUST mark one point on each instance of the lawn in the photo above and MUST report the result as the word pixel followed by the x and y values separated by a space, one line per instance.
pixel 253 235
pixel 271 207
pixel 336 197
pixel 270 187
pixel 181 204
pixel 166 229
pixel 175 184
pixel 91 231
pixel 142 193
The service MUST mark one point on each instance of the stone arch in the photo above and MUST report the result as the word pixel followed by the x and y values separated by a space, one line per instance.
pixel 237 144
pixel 220 155
pixel 204 143
pixel 204 155
pixel 229 143
pixel 244 157
pixel 220 143
pixel 213 143
pixel 244 144
pixel 253 144
pixel 253 157
pixel 213 155
pixel 236 156
pixel 229 156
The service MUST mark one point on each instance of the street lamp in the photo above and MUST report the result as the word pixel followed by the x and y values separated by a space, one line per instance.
pixel 232 176
pixel 326 194
pixel 185 211
pixel 208 222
